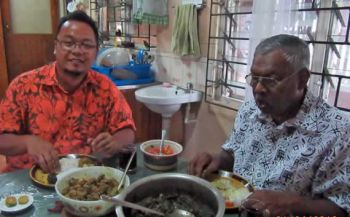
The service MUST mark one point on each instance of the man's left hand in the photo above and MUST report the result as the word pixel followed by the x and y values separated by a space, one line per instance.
pixel 105 144
pixel 274 203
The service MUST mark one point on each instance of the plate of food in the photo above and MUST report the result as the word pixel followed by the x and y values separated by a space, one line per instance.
pixel 233 187
pixel 16 202
pixel 70 161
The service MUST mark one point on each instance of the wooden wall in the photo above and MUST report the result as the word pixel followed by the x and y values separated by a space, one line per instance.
pixel 148 123
pixel 3 78
pixel 3 65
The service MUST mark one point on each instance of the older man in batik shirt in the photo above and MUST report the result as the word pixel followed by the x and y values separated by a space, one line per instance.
pixel 292 146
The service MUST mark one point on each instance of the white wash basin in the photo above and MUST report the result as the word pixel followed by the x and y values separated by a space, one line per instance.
pixel 166 99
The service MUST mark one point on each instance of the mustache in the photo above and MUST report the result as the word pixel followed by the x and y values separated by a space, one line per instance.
pixel 259 97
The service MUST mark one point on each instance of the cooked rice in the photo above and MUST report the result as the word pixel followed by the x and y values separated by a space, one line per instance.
pixel 68 163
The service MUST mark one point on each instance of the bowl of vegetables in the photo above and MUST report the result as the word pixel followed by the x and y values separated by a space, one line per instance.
pixel 80 189
pixel 161 160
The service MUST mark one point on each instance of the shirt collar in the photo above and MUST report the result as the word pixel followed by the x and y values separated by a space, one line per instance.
pixel 299 121
pixel 50 78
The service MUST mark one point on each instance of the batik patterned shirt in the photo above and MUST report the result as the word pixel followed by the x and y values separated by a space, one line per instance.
pixel 36 104
pixel 308 155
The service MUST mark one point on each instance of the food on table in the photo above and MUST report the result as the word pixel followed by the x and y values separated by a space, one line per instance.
pixel 167 202
pixel 86 162
pixel 23 199
pixel 167 150
pixel 233 190
pixel 57 208
pixel 52 178
pixel 10 201
pixel 88 189
pixel 65 164
pixel 68 163
pixel 41 176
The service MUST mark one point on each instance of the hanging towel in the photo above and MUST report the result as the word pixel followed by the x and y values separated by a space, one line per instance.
pixel 150 12
pixel 185 32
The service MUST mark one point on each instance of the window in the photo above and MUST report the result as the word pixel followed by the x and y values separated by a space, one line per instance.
pixel 114 19
pixel 324 24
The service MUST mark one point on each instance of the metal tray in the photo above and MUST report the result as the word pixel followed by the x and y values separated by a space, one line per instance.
pixel 35 171
pixel 221 174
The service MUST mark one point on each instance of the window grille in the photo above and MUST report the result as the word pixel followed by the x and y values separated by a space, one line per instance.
pixel 324 24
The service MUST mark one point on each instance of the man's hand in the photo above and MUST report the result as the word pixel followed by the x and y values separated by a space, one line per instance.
pixel 105 144
pixel 203 164
pixel 274 203
pixel 43 153
pixel 288 203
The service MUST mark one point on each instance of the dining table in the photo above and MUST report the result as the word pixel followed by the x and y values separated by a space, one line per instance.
pixel 45 198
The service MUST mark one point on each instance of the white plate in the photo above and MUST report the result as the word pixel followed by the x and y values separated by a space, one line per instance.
pixel 18 207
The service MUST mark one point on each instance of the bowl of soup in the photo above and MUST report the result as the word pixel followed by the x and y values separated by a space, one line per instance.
pixel 80 189
pixel 156 159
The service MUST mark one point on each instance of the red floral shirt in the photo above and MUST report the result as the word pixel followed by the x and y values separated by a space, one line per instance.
pixel 35 104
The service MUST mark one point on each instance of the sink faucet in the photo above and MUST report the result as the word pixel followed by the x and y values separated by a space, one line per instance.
pixel 189 87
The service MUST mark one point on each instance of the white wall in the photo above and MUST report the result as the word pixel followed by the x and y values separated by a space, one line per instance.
pixel 213 123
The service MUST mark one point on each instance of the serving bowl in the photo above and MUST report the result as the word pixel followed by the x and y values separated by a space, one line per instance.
pixel 159 162
pixel 201 191
pixel 93 207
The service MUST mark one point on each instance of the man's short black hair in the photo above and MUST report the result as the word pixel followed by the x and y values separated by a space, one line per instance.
pixel 80 16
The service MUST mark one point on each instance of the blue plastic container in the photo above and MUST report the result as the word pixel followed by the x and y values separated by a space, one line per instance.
pixel 143 72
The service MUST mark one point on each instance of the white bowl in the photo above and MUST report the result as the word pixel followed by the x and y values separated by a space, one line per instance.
pixel 88 208
pixel 160 162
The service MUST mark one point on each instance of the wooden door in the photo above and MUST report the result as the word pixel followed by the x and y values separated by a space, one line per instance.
pixel 148 124
pixel 3 65
pixel 29 32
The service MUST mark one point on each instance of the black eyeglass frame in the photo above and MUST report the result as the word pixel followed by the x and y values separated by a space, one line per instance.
pixel 69 45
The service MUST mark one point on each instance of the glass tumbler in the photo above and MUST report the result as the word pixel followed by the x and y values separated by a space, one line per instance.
pixel 124 156
pixel 252 208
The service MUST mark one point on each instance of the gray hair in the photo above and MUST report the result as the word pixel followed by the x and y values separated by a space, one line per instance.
pixel 294 49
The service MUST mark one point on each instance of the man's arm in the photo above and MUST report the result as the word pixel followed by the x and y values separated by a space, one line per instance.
pixel 205 163
pixel 226 160
pixel 278 203
pixel 108 144
pixel 316 207
pixel 40 150
pixel 125 136
pixel 12 144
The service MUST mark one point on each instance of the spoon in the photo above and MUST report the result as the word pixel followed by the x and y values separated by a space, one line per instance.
pixel 121 183
pixel 162 142
pixel 180 213
pixel 118 202
pixel 124 203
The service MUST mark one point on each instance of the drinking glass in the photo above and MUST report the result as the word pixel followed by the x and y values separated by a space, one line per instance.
pixel 124 156
pixel 252 208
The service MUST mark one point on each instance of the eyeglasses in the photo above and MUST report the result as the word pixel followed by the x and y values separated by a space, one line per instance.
pixel 267 82
pixel 70 45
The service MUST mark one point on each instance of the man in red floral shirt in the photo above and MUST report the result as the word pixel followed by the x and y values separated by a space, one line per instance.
pixel 64 107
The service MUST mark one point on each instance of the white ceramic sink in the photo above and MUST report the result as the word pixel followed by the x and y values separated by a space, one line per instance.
pixel 166 99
